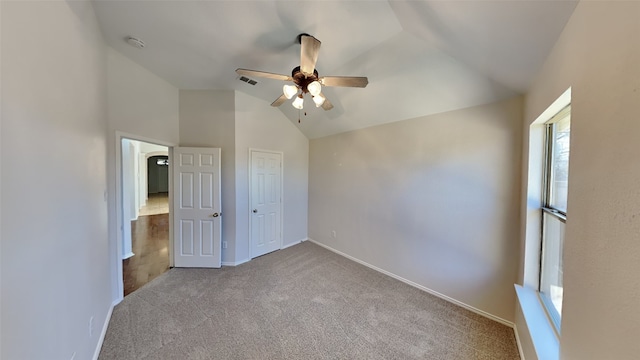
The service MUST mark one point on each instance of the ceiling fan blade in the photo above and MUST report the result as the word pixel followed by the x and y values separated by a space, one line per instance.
pixel 345 81
pixel 309 49
pixel 327 105
pixel 279 101
pixel 263 74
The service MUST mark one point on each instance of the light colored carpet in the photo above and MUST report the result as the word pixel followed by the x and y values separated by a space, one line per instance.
pixel 303 302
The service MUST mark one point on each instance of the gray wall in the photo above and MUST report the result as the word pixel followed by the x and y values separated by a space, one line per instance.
pixel 55 251
pixel 433 200
pixel 260 126
pixel 207 119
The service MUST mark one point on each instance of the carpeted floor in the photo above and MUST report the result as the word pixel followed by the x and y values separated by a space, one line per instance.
pixel 303 302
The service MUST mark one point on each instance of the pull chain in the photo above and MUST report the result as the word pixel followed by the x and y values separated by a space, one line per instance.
pixel 305 114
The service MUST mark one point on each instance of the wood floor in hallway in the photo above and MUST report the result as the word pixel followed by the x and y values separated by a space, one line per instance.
pixel 150 243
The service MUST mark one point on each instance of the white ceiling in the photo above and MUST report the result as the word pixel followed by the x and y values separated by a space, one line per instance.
pixel 421 57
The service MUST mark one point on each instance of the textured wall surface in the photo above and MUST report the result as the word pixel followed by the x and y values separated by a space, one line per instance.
pixel 433 200
pixel 55 250
pixel 140 102
pixel 598 56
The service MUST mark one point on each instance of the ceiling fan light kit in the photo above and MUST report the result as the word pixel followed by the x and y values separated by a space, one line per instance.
pixel 289 91
pixel 305 77
pixel 314 88
pixel 298 102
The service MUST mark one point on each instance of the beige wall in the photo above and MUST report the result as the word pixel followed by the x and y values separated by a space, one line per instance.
pixel 140 102
pixel 207 119
pixel 142 105
pixel 260 126
pixel 433 200
pixel 55 250
pixel 598 56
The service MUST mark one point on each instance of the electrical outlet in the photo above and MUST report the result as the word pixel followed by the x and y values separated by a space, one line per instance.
pixel 224 244
pixel 91 326
pixel 333 234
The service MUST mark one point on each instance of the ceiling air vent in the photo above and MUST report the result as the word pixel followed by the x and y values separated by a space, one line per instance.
pixel 247 80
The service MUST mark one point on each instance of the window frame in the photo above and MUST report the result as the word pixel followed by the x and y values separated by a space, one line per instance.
pixel 547 181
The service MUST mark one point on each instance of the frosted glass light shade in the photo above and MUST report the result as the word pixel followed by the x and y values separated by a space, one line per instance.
pixel 319 100
pixel 314 88
pixel 298 102
pixel 289 91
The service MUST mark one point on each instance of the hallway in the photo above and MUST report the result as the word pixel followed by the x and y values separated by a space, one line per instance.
pixel 150 244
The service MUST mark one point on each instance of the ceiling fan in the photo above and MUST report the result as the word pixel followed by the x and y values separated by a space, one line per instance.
pixel 305 77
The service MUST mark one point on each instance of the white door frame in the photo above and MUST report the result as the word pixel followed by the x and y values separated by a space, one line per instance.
pixel 118 205
pixel 281 153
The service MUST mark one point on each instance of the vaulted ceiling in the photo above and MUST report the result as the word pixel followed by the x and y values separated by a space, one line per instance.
pixel 421 57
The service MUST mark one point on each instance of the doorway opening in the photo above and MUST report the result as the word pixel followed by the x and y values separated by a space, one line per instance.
pixel 145 212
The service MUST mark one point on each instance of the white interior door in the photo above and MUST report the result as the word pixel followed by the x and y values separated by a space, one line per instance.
pixel 266 202
pixel 197 215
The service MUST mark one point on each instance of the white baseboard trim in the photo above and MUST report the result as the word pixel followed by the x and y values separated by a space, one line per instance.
pixel 126 256
pixel 103 333
pixel 292 244
pixel 518 343
pixel 418 286
pixel 235 263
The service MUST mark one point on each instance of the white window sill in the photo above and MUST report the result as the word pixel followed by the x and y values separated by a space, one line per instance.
pixel 543 337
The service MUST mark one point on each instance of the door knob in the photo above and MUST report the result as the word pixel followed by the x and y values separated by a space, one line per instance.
pixel 215 215
pixel 255 211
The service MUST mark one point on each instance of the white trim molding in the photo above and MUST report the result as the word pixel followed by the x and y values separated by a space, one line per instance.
pixel 418 286
pixel 543 336
pixel 292 244
pixel 518 342
pixel 116 266
pixel 103 333
pixel 235 263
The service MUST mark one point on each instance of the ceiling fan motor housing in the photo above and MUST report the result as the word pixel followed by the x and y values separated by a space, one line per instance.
pixel 302 80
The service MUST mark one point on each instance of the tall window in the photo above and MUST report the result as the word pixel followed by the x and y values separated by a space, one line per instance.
pixel 554 212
